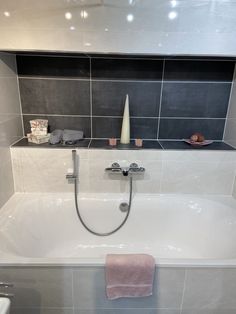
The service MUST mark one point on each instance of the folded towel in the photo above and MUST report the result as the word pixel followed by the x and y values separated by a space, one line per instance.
pixel 72 136
pixel 129 275
pixel 56 137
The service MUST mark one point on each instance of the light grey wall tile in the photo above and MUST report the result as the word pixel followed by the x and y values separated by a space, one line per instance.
pixel 210 289
pixel 41 310
pixel 208 311
pixel 89 291
pixel 39 287
pixel 10 122
pixel 128 311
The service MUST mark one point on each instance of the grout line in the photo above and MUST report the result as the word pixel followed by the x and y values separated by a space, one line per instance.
pixel 160 100
pixel 91 98
pixel 112 80
pixel 56 55
pixel 16 141
pixel 191 118
pixel 56 115
pixel 19 96
pixel 162 145
pixel 85 55
pixel 118 117
pixel 230 98
pixel 72 287
pixel 185 58
pixel 55 78
pixel 184 288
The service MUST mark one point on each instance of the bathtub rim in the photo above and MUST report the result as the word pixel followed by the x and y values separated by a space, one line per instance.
pixel 100 262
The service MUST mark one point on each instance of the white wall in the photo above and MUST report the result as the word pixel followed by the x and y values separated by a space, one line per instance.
pixel 189 27
pixel 230 125
pixel 10 122
pixel 189 172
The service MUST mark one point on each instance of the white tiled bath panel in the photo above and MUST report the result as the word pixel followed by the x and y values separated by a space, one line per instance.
pixel 187 172
pixel 81 290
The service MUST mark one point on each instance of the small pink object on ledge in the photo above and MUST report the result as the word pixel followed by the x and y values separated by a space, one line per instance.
pixel 112 141
pixel 138 142
pixel 129 275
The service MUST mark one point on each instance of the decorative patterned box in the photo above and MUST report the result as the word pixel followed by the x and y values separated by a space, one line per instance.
pixel 38 139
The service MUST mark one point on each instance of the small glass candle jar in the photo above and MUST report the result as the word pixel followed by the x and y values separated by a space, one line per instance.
pixel 138 142
pixel 112 141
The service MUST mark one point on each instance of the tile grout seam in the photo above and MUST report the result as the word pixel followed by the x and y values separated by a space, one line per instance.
pixel 230 98
pixel 160 100
pixel 91 97
pixel 22 77
pixel 183 293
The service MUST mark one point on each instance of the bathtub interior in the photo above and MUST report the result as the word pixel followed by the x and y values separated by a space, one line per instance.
pixel 183 207
pixel 45 226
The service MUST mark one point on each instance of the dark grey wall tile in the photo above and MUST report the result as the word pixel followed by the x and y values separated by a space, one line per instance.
pixel 186 70
pixel 48 96
pixel 60 122
pixel 212 129
pixel 109 98
pixel 127 69
pixel 53 66
pixel 195 100
pixel 144 128
pixel 106 127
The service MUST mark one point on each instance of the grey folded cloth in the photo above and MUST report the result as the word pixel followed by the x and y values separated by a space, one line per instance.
pixel 56 137
pixel 72 136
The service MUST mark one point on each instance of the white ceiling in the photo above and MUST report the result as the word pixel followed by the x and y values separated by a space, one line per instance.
pixel 188 27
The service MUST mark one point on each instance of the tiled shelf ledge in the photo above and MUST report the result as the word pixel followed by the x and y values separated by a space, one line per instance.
pixel 103 144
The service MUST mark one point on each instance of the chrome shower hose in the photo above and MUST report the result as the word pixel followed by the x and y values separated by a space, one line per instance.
pixel 114 230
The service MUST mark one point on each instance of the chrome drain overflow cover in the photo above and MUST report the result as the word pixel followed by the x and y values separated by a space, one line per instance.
pixel 124 207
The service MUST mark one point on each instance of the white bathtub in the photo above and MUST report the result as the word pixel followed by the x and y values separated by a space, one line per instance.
pixel 177 230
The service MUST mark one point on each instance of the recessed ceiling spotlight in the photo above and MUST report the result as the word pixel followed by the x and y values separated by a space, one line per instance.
pixel 84 14
pixel 173 3
pixel 7 14
pixel 72 28
pixel 87 44
pixel 130 17
pixel 68 15
pixel 106 29
pixel 172 15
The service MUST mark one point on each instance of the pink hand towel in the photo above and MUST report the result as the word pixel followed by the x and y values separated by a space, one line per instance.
pixel 129 275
